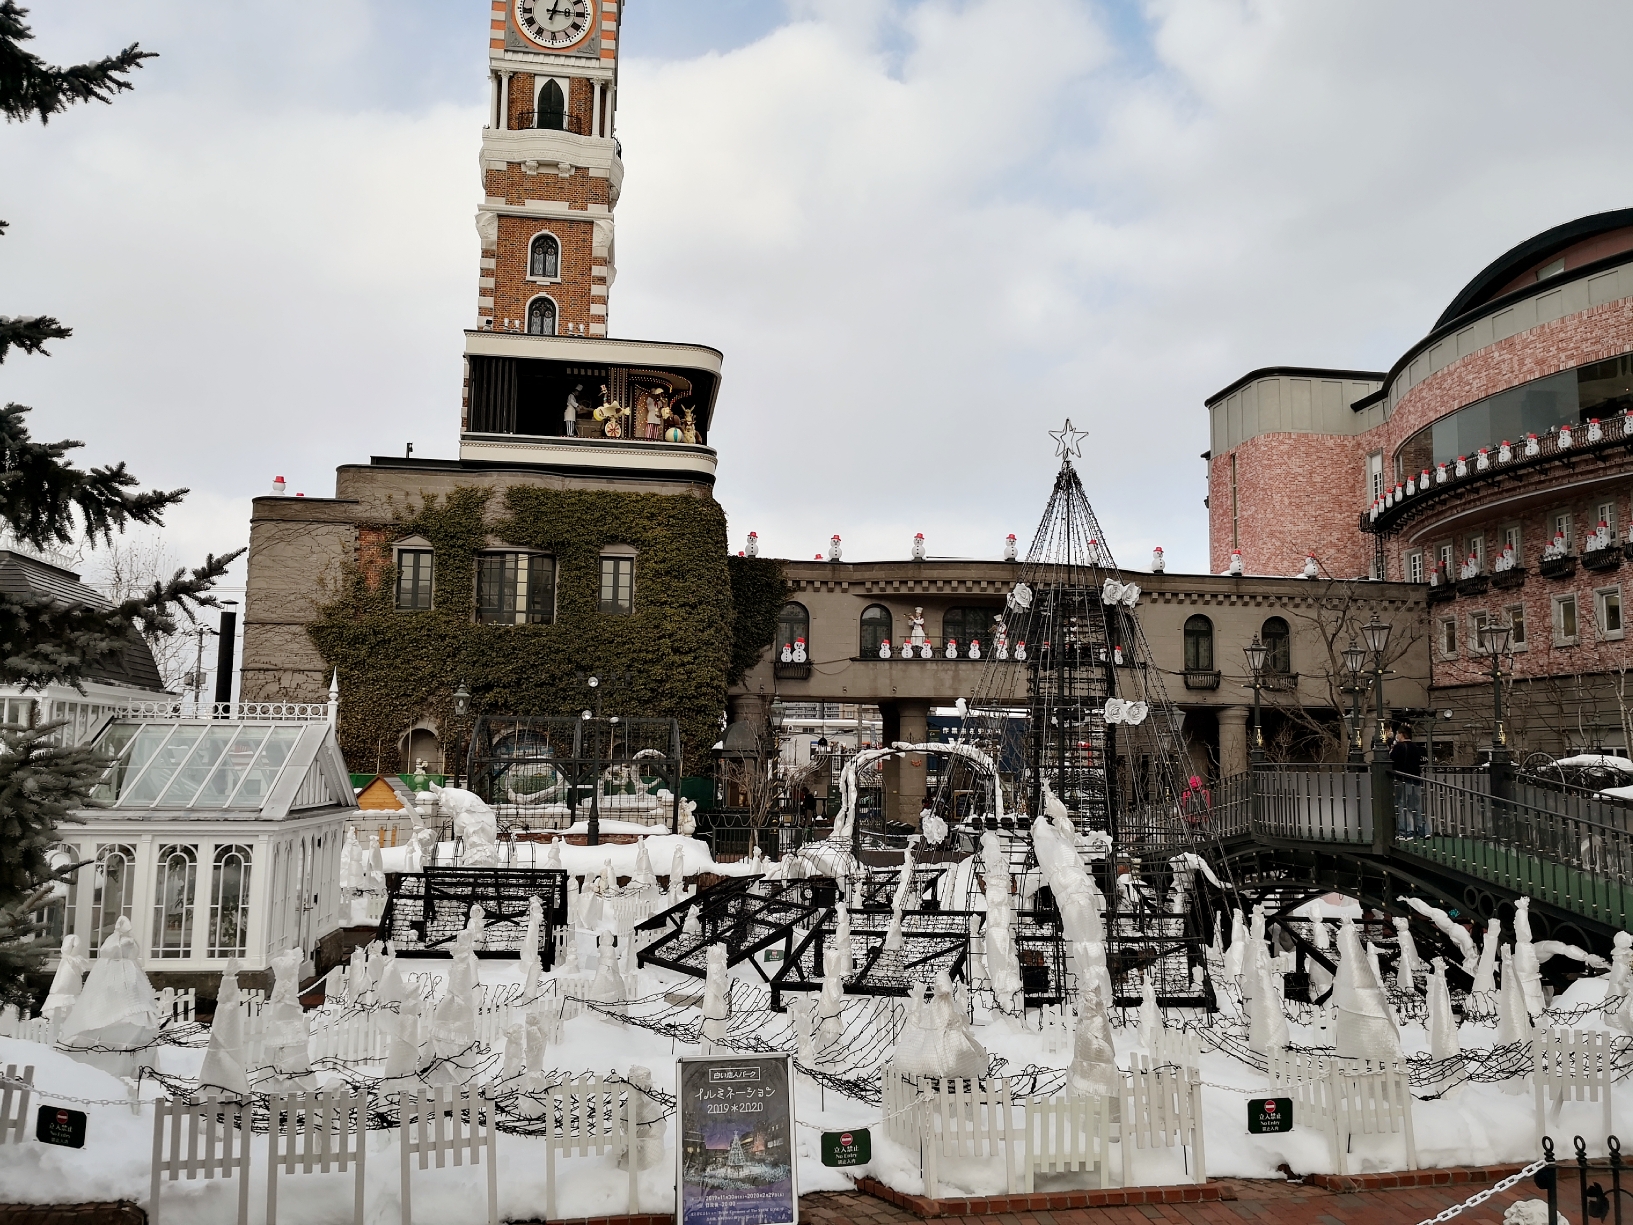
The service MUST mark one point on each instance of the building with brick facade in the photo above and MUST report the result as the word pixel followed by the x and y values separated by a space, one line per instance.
pixel 1492 464
pixel 577 529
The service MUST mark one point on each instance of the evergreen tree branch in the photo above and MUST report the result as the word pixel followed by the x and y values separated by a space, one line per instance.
pixel 29 333
pixel 29 86
pixel 40 493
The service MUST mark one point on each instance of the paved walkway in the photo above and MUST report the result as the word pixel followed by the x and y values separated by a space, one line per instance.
pixel 1265 1203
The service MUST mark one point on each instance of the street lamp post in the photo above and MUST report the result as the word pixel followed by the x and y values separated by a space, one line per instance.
pixel 1355 658
pixel 777 716
pixel 1256 652
pixel 1375 634
pixel 462 714
pixel 1502 764
pixel 594 837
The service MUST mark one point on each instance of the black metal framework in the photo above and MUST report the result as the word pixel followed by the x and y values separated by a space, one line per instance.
pixel 425 912
pixel 560 769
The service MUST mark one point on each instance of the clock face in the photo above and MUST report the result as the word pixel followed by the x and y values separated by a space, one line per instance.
pixel 554 23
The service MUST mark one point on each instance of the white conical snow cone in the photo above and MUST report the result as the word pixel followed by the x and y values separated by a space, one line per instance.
pixel 1621 966
pixel 1150 1017
pixel 1485 970
pixel 716 993
pixel 842 937
pixel 1266 1020
pixel 552 861
pixel 1320 976
pixel 1526 966
pixel 66 982
pixel 1513 1020
pixel 117 1007
pixel 288 1032
pixel 531 966
pixel 939 1042
pixel 1234 955
pixel 644 875
pixel 1406 967
pixel 1442 1025
pixel 608 985
pixel 1093 1071
pixel 223 1066
pixel 1365 1027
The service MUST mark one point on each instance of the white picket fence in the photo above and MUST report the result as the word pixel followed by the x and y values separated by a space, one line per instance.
pixel 448 1122
pixel 349 1037
pixel 14 1024
pixel 1180 1047
pixel 177 1007
pixel 1069 1134
pixel 1567 1065
pixel 953 1120
pixel 14 1095
pixel 1162 1108
pixel 310 1133
pixel 588 1116
pixel 208 1139
pixel 1346 1097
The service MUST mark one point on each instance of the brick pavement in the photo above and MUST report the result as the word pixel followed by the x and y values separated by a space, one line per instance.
pixel 1263 1203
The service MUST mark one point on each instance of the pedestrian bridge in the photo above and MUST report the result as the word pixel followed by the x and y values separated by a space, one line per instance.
pixel 1458 838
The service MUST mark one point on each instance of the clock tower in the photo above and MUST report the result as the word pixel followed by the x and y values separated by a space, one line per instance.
pixel 551 167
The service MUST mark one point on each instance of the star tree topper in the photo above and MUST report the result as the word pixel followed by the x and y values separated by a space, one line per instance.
pixel 1066 440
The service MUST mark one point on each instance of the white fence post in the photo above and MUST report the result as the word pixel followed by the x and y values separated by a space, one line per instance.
pixel 448 1120
pixel 14 1104
pixel 1570 1064
pixel 585 1116
pixel 318 1131
pixel 210 1139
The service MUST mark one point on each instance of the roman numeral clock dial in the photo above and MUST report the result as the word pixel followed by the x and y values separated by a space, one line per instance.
pixel 553 23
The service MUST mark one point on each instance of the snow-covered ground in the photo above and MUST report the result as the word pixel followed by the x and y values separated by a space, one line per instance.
pixel 1473 1124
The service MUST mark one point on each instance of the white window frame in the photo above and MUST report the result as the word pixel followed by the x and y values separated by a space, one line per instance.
pixel 1524 641
pixel 1601 595
pixel 1414 567
pixel 1446 554
pixel 1478 643
pixel 1514 535
pixel 1564 520
pixel 1557 604
pixel 1375 475
pixel 1477 546
pixel 1607 512
pixel 1446 623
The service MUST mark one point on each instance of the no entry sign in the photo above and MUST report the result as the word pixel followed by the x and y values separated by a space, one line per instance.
pixel 1269 1114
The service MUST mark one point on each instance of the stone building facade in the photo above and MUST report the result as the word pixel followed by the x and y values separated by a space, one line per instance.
pixel 1492 464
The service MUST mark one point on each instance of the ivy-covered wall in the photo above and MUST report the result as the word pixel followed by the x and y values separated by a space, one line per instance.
pixel 758 592
pixel 679 646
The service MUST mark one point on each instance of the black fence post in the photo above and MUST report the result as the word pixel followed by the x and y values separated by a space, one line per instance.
pixel 1383 800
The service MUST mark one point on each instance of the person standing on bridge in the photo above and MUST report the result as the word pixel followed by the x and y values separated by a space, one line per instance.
pixel 1406 756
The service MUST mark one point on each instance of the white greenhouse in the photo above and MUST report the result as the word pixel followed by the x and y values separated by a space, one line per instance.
pixel 220 838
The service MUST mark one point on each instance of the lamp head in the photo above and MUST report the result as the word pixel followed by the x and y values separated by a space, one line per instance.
pixel 1354 657
pixel 1256 652
pixel 1376 634
pixel 462 701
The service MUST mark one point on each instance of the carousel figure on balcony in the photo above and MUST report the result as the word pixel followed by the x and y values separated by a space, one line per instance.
pixel 688 428
pixel 610 415
pixel 657 406
pixel 569 415
pixel 915 635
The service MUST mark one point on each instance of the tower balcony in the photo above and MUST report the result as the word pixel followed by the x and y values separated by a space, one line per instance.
pixel 588 405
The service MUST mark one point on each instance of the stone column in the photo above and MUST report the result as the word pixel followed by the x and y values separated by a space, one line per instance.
pixel 904 794
pixel 1233 734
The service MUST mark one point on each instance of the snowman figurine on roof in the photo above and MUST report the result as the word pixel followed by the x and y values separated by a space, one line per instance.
pixel 834 551
pixel 918 546
pixel 1009 547
pixel 753 547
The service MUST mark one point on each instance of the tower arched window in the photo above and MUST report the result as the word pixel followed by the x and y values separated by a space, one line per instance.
pixel 1198 644
pixel 552 106
pixel 541 317
pixel 792 622
pixel 876 627
pixel 1278 647
pixel 544 257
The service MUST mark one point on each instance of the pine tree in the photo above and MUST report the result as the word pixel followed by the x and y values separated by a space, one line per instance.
pixel 45 501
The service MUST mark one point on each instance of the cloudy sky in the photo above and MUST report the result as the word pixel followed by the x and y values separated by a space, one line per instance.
pixel 922 233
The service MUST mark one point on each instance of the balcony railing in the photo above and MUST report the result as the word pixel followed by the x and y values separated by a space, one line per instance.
pixel 936 649
pixel 1613 433
pixel 1201 679
pixel 548 121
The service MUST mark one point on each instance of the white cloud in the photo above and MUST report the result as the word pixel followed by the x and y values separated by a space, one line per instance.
pixel 922 233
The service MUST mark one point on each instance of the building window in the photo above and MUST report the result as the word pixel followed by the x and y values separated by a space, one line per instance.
pixel 1565 632
pixel 541 317
pixel 877 626
pixel 1448 638
pixel 515 589
pixel 1375 475
pixel 229 902
pixel 1198 644
pixel 1552 268
pixel 1562 526
pixel 1479 644
pixel 966 624
pixel 1511 540
pixel 1448 568
pixel 1278 644
pixel 618 585
pixel 1414 566
pixel 1477 550
pixel 113 889
pixel 173 901
pixel 552 106
pixel 793 623
pixel 544 257
pixel 1607 516
pixel 1516 620
pixel 413 580
pixel 1607 607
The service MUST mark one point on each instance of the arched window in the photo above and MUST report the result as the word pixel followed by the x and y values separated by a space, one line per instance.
pixel 541 317
pixel 173 901
pixel 967 623
pixel 552 106
pixel 1278 647
pixel 876 627
pixel 544 257
pixel 113 888
pixel 792 622
pixel 229 902
pixel 1198 644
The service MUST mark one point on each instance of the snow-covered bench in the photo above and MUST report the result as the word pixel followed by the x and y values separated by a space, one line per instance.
pixel 1344 1097
pixel 1570 1064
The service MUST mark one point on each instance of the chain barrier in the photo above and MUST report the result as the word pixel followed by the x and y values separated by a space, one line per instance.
pixel 1480 1197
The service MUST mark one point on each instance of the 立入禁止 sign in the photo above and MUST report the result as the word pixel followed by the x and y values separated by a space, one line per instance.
pixel 1266 1115
pixel 735 1148
pixel 853 1147
pixel 54 1125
